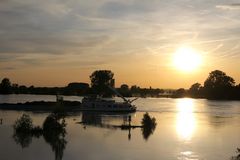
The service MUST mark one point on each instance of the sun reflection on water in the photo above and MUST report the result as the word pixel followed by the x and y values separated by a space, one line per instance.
pixel 185 121
pixel 188 155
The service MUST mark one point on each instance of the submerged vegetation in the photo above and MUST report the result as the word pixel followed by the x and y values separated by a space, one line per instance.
pixel 218 85
pixel 148 125
pixel 53 131
pixel 237 157
pixel 24 131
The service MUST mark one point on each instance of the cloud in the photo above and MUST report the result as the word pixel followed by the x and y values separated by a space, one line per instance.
pixel 48 44
pixel 234 6
pixel 113 9
pixel 43 27
pixel 48 32
pixel 8 68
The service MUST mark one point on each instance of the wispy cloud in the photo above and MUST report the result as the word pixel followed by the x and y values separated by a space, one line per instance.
pixel 8 68
pixel 233 6
pixel 109 32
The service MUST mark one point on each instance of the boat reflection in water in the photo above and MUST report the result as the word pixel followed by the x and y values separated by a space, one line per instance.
pixel 103 120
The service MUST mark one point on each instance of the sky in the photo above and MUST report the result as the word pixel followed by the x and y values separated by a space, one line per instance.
pixel 54 42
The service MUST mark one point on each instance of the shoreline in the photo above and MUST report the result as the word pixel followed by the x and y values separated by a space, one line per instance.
pixel 161 96
pixel 64 106
pixel 41 106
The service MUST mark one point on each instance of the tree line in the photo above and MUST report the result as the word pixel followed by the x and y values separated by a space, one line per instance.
pixel 100 80
pixel 75 88
pixel 218 85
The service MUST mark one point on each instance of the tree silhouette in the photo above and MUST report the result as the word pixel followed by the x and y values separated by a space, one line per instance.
pixel 124 90
pixel 5 86
pixel 22 130
pixel 53 131
pixel 148 125
pixel 181 92
pixel 76 88
pixel 218 85
pixel 100 80
pixel 195 90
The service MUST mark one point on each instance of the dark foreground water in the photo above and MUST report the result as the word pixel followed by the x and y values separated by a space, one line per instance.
pixel 187 129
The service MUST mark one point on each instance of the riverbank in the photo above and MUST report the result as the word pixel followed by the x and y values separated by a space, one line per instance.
pixel 64 106
pixel 42 106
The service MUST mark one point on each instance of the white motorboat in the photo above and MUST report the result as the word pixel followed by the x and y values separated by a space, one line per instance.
pixel 95 103
pixel 100 104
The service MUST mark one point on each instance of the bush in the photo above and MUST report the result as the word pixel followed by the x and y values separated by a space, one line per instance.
pixel 24 124
pixel 148 125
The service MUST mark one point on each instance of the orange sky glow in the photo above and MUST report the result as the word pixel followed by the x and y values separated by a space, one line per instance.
pixel 54 43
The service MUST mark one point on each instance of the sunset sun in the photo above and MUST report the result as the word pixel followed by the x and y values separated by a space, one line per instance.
pixel 120 79
pixel 187 59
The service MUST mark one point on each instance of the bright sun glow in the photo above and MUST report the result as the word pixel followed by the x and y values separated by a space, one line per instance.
pixel 186 122
pixel 187 59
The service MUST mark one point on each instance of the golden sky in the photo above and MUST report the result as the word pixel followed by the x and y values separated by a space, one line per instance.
pixel 54 42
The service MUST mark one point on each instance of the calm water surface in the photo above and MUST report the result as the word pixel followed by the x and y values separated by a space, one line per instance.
pixel 187 129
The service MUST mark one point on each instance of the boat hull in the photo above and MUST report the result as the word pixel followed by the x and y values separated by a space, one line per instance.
pixel 103 105
pixel 106 110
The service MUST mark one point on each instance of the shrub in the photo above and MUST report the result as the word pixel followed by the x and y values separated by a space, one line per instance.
pixel 24 124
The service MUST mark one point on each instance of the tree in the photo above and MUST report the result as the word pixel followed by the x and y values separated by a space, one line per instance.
pixel 179 93
pixel 135 89
pixel 15 88
pixel 23 89
pixel 237 91
pixel 124 87
pixel 195 89
pixel 24 124
pixel 54 131
pixel 124 90
pixel 5 86
pixel 148 125
pixel 100 82
pixel 218 85
pixel 76 88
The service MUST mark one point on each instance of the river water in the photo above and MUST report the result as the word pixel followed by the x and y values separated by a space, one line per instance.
pixel 187 129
